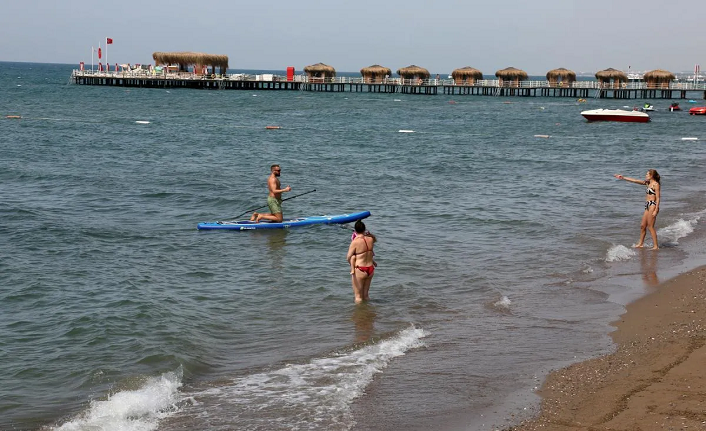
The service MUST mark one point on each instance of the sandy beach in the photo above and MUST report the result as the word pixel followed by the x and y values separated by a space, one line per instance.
pixel 655 380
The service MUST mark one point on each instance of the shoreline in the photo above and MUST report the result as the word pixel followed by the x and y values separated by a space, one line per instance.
pixel 655 379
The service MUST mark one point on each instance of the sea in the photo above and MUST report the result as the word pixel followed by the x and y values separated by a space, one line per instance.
pixel 504 250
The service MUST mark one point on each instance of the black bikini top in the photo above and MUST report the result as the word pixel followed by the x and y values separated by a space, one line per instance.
pixel 650 190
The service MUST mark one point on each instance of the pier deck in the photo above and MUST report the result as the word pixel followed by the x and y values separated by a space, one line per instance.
pixel 492 87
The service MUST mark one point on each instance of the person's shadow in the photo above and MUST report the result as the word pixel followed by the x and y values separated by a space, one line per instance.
pixel 364 318
pixel 648 266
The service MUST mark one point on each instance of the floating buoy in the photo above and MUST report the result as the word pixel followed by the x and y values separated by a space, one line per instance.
pixel 542 136
pixel 406 131
pixel 142 122
pixel 453 102
pixel 272 127
pixel 689 139
pixel 14 117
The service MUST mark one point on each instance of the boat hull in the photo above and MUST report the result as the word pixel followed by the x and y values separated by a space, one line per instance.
pixel 700 110
pixel 616 115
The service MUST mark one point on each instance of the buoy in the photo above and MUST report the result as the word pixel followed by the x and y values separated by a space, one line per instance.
pixel 406 131
pixel 15 117
pixel 541 136
pixel 142 122
pixel 272 127
pixel 689 139
pixel 453 102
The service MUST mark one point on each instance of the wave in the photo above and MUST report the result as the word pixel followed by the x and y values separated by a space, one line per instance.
pixel 670 235
pixel 313 395
pixel 131 410
pixel 619 252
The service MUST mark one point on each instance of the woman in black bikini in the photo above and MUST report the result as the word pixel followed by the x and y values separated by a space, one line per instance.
pixel 362 248
pixel 651 205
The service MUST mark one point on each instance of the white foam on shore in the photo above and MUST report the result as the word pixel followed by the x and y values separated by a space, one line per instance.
pixel 319 391
pixel 674 232
pixel 619 252
pixel 131 410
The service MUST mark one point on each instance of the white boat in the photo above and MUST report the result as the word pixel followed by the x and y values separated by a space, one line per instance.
pixel 616 115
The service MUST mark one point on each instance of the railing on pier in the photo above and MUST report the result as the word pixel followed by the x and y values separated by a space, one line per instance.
pixel 591 85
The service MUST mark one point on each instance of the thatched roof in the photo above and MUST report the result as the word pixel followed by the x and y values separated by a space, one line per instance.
pixel 511 73
pixel 412 71
pixel 562 73
pixel 375 69
pixel 467 72
pixel 320 68
pixel 610 73
pixel 659 75
pixel 187 58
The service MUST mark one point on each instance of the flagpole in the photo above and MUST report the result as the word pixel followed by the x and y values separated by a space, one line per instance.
pixel 106 54
pixel 92 49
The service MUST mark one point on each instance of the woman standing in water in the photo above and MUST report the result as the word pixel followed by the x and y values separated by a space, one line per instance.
pixel 651 205
pixel 361 249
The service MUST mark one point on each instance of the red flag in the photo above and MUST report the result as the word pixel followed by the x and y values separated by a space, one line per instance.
pixel 99 52
pixel 108 40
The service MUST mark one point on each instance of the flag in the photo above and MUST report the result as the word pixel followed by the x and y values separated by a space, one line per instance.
pixel 99 52
pixel 108 41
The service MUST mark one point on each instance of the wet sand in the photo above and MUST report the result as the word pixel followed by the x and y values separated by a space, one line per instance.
pixel 656 379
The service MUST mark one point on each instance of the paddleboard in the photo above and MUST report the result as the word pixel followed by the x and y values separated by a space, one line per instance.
pixel 301 221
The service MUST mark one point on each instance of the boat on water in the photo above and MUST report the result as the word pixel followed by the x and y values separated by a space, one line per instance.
pixel 698 110
pixel 296 222
pixel 647 107
pixel 619 115
pixel 674 107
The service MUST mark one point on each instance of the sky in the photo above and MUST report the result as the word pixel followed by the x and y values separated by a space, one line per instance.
pixel 536 36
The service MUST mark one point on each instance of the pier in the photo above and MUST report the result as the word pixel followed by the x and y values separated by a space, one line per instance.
pixel 340 84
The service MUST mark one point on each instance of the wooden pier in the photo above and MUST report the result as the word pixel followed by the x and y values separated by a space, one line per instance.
pixel 577 89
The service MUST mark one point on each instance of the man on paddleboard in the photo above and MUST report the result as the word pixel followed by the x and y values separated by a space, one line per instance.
pixel 274 199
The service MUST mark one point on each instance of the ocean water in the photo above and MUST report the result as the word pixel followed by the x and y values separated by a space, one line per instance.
pixel 501 255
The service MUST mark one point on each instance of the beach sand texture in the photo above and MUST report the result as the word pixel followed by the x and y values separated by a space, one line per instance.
pixel 656 379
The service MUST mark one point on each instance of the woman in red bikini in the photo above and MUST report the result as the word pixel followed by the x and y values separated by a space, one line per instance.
pixel 361 249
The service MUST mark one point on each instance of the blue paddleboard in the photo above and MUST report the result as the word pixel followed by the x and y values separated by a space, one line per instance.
pixel 302 221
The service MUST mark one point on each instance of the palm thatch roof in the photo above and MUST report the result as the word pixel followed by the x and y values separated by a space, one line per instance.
pixel 467 72
pixel 376 69
pixel 564 74
pixel 320 68
pixel 659 75
pixel 187 58
pixel 511 73
pixel 412 71
pixel 610 73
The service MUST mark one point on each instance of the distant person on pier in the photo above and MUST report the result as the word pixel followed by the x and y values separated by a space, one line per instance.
pixel 649 216
pixel 274 199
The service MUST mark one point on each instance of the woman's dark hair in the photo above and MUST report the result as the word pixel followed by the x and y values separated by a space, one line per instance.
pixel 655 175
pixel 359 227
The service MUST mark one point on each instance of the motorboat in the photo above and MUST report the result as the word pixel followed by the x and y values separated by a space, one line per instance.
pixel 699 110
pixel 616 115
pixel 674 107
pixel 647 107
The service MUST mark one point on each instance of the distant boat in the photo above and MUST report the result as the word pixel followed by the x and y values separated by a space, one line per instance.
pixel 616 115
pixel 674 107
pixel 698 110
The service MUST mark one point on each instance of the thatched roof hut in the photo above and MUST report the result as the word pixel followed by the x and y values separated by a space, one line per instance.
pixel 320 70
pixel 466 75
pixel 565 76
pixel 184 59
pixel 375 73
pixel 511 75
pixel 611 74
pixel 658 78
pixel 412 72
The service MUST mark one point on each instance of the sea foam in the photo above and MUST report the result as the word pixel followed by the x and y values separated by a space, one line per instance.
pixel 674 232
pixel 319 391
pixel 619 252
pixel 131 410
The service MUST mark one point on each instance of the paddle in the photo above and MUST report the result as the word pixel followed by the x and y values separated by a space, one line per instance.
pixel 253 209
